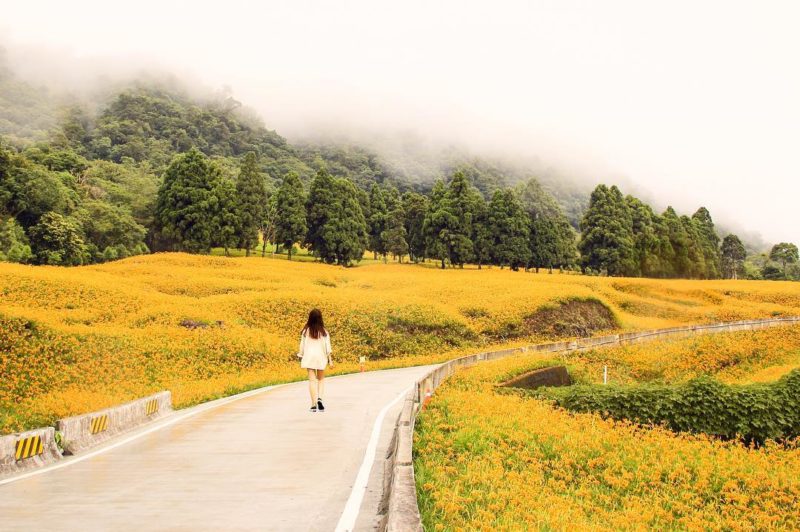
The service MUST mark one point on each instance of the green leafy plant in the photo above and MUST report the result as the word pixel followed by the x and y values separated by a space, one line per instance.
pixel 753 413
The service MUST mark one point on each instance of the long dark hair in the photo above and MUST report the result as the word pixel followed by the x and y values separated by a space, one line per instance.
pixel 315 326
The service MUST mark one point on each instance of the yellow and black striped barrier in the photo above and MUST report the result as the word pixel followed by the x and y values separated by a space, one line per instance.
pixel 99 424
pixel 29 447
pixel 151 407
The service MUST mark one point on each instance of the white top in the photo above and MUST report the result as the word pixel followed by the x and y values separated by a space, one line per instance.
pixel 314 352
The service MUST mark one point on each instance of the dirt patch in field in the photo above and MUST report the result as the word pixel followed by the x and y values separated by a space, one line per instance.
pixel 576 317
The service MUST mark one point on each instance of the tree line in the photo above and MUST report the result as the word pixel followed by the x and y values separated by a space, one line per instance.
pixel 197 209
pixel 59 208
pixel 621 235
pixel 125 180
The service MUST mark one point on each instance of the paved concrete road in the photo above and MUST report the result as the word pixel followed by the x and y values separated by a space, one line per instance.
pixel 259 463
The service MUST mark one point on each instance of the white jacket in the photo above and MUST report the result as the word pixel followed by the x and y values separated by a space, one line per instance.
pixel 314 352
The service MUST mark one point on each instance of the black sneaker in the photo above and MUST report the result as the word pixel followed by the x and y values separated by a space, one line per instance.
pixel 320 406
pixel 312 409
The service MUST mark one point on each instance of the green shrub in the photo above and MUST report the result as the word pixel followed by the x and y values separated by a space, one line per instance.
pixel 754 413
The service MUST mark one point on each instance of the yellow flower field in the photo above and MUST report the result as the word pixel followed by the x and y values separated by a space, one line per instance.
pixel 77 339
pixel 497 461
pixel 742 357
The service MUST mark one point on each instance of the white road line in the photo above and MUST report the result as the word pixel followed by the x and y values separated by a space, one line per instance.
pixel 348 519
pixel 171 421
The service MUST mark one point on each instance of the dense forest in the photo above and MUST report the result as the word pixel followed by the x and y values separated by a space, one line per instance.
pixel 151 168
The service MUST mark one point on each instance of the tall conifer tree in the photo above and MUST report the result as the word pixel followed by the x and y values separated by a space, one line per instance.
pixel 290 223
pixel 319 205
pixel 607 233
pixel 251 199
pixel 187 203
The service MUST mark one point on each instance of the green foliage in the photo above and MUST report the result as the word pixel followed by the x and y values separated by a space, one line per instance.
pixel 377 220
pixel 14 246
pixel 188 207
pixel 785 254
pixel 111 158
pixel 345 231
pixel 625 237
pixel 415 206
pixel 27 113
pixel 509 227
pixel 291 213
pixel 733 256
pixel 226 228
pixel 462 200
pixel 482 237
pixel 607 239
pixel 251 200
pixel 448 225
pixel 754 413
pixel 438 223
pixel 709 243
pixel 552 239
pixel 154 123
pixel 110 231
pixel 395 234
pixel 321 199
pixel 57 240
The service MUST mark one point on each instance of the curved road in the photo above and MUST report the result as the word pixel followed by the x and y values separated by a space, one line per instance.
pixel 259 461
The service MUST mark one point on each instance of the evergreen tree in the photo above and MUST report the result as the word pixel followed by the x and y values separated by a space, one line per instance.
pixel 607 242
pixel 552 239
pixel 268 225
pixel 566 250
pixel 377 220
pixel 415 206
pixel 290 224
pixel 646 238
pixel 392 198
pixel 226 221
pixel 508 223
pixel 395 235
pixel 696 264
pixel 679 242
pixel 345 231
pixel 543 243
pixel 461 200
pixel 439 224
pixel 251 197
pixel 187 204
pixel 709 243
pixel 733 256
pixel 483 240
pixel 319 205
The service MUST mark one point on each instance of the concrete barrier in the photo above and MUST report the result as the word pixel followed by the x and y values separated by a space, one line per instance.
pixel 400 493
pixel 27 450
pixel 555 376
pixel 87 430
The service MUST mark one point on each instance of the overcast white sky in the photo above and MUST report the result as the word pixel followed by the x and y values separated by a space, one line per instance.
pixel 697 102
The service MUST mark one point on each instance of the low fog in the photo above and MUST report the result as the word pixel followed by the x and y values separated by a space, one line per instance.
pixel 683 103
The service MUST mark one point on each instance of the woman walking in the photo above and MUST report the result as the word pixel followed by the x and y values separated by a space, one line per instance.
pixel 315 352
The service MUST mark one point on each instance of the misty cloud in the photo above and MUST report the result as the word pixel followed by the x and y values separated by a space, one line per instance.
pixel 686 103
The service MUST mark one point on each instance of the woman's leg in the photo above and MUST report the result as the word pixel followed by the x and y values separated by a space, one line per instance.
pixel 320 383
pixel 312 386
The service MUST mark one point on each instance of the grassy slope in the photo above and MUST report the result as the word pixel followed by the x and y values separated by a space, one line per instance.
pixel 498 461
pixel 74 340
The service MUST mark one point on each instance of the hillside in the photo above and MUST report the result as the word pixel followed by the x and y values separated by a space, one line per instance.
pixel 90 186
pixel 79 339
pixel 149 121
pixel 481 450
